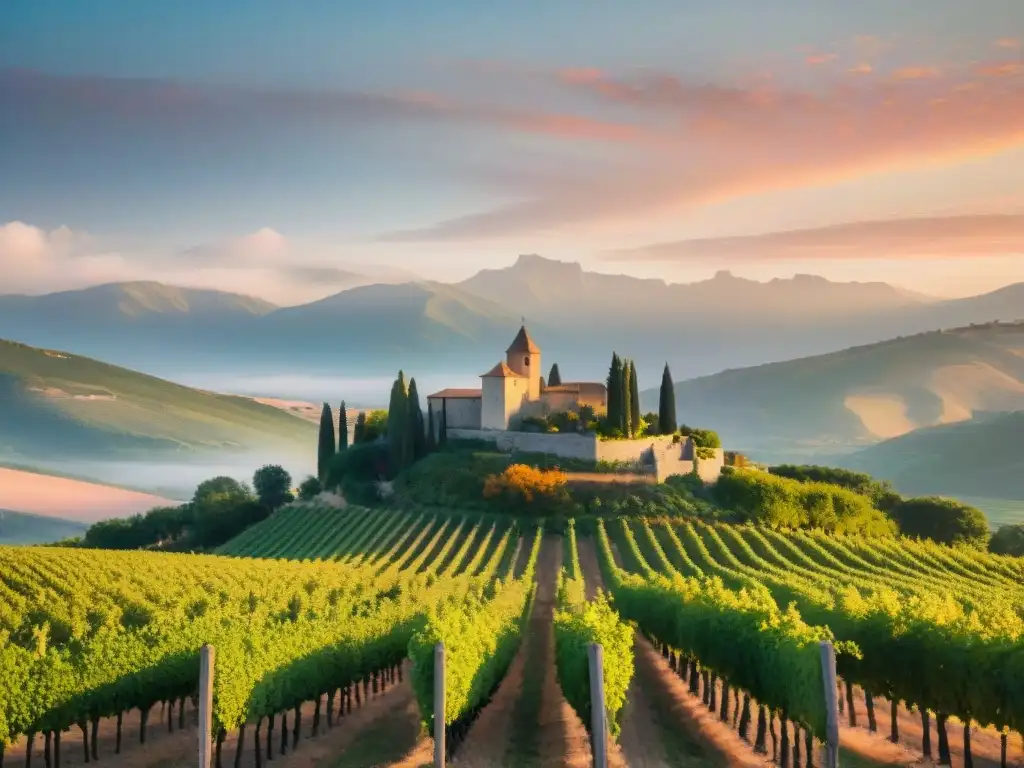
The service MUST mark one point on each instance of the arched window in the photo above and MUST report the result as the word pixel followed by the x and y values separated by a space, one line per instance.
pixel 526 361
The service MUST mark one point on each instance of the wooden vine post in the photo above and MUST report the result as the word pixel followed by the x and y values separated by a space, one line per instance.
pixel 439 704
pixel 599 721
pixel 206 656
pixel 828 674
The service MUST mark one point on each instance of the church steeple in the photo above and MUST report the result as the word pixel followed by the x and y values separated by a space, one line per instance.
pixel 523 344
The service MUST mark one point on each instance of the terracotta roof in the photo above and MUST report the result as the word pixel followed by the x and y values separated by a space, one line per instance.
pixel 456 394
pixel 501 371
pixel 523 344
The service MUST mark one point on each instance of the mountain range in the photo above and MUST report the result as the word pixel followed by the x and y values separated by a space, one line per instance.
pixel 578 318
pixel 827 405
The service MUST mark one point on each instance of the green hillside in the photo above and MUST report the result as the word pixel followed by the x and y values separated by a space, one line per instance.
pixel 54 404
pixel 982 459
pixel 22 528
pixel 858 396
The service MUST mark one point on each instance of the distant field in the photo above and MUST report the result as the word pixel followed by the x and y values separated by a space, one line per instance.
pixel 998 511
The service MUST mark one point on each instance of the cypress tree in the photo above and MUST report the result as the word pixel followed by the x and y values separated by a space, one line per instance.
pixel 634 400
pixel 398 420
pixel 326 446
pixel 555 377
pixel 359 433
pixel 667 404
pixel 615 392
pixel 342 428
pixel 417 429
pixel 626 406
pixel 431 431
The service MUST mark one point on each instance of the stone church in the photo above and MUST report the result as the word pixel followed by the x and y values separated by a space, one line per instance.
pixel 513 390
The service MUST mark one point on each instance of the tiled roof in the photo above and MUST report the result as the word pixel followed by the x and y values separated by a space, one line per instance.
pixel 523 344
pixel 501 371
pixel 456 394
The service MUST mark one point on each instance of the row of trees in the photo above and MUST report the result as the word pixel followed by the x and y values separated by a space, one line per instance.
pixel 624 401
pixel 410 435
pixel 220 508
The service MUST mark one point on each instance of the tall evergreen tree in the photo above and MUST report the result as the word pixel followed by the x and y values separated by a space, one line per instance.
pixel 431 430
pixel 626 415
pixel 342 427
pixel 634 400
pixel 398 420
pixel 667 404
pixel 417 429
pixel 359 432
pixel 615 392
pixel 326 446
pixel 555 377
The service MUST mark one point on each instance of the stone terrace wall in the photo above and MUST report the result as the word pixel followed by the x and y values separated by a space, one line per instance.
pixel 669 458
pixel 567 446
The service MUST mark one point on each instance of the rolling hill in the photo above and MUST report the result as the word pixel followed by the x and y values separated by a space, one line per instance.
pixel 836 402
pixel 21 528
pixel 55 405
pixel 979 459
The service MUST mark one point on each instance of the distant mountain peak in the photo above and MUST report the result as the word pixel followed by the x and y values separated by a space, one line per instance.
pixel 536 263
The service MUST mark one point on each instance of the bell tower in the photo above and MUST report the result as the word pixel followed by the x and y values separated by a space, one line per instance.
pixel 523 357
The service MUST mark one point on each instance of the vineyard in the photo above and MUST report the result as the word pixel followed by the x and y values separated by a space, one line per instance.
pixel 324 622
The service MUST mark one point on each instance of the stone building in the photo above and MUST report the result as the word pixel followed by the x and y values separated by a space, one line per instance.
pixel 513 390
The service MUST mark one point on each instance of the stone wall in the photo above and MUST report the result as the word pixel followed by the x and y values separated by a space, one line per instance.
pixel 669 458
pixel 462 412
pixel 567 446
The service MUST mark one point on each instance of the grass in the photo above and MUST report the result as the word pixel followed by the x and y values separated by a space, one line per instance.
pixel 53 401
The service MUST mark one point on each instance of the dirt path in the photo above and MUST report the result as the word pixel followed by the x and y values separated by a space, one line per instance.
pixel 385 730
pixel 529 724
pixel 985 744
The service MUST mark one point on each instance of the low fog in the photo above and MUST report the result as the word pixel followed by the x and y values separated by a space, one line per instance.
pixel 177 480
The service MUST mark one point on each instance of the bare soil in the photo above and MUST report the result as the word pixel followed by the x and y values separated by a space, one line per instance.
pixel 985 743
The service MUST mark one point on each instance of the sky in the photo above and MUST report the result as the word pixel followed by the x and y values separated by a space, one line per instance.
pixel 280 148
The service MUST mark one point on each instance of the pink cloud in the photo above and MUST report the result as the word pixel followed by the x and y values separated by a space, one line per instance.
pixel 1001 69
pixel 1008 42
pixel 916 73
pixel 821 58
pixel 924 237
pixel 704 143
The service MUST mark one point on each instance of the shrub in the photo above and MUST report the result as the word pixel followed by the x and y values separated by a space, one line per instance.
pixel 943 520
pixel 521 483
pixel 779 502
pixel 879 491
pixel 1008 540
pixel 310 488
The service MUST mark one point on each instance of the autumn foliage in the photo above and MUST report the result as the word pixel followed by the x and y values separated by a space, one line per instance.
pixel 521 484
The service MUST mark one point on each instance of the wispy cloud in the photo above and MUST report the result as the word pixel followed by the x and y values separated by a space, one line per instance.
pixel 916 73
pixel 1010 43
pixel 1000 69
pixel 861 69
pixel 821 58
pixel 948 236
pixel 709 142
pixel 157 100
